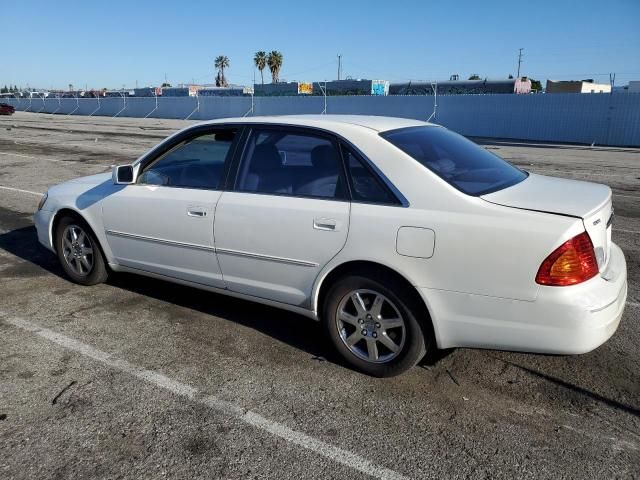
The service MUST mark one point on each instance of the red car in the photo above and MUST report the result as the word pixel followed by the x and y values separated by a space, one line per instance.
pixel 6 109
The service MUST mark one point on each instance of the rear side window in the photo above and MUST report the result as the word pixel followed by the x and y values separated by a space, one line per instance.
pixel 196 163
pixel 365 185
pixel 288 163
pixel 465 165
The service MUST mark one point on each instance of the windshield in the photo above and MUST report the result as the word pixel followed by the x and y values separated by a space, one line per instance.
pixel 465 165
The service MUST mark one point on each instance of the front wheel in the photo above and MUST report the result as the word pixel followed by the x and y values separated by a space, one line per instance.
pixel 79 252
pixel 373 326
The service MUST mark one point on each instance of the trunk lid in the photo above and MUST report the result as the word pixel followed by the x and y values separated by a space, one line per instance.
pixel 589 201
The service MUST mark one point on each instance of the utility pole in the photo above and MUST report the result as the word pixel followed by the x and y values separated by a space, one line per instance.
pixel 339 65
pixel 519 62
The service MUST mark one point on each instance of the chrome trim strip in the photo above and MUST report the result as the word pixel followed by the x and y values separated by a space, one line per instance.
pixel 160 240
pixel 290 261
pixel 257 256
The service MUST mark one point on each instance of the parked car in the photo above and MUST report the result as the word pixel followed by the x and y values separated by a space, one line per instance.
pixel 398 235
pixel 6 109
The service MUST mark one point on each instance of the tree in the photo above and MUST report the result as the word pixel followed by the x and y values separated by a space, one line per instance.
pixel 221 62
pixel 536 85
pixel 165 84
pixel 260 60
pixel 4 89
pixel 475 76
pixel 274 61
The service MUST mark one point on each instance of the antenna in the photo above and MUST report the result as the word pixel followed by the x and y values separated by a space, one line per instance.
pixel 612 80
pixel 519 61
pixel 339 65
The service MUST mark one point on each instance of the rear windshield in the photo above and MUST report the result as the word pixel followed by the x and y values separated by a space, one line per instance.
pixel 465 165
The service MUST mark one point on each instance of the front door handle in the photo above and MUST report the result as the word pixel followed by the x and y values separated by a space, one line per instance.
pixel 196 212
pixel 324 224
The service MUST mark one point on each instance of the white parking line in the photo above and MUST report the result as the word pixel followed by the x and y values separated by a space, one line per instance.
pixel 626 196
pixel 21 191
pixel 295 437
pixel 634 304
pixel 625 231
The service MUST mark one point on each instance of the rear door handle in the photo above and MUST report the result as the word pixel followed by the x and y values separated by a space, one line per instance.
pixel 196 212
pixel 324 224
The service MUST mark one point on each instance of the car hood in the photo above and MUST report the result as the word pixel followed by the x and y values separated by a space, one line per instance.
pixel 92 179
pixel 82 184
pixel 553 195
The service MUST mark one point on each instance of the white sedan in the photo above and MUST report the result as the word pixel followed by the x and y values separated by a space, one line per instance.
pixel 399 236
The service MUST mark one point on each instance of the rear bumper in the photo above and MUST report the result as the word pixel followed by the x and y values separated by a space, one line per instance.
pixel 562 320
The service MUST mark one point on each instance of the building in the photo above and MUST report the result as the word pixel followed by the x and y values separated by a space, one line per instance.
pixel 175 91
pixel 333 87
pixel 633 87
pixel 276 89
pixel 347 87
pixel 462 87
pixel 145 92
pixel 230 91
pixel 577 86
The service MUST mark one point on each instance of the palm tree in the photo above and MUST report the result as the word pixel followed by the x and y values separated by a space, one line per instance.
pixel 221 62
pixel 260 59
pixel 274 61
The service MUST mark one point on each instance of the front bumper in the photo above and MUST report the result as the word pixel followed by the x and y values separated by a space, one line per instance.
pixel 562 320
pixel 42 220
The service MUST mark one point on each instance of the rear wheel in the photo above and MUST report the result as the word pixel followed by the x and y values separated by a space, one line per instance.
pixel 373 325
pixel 79 252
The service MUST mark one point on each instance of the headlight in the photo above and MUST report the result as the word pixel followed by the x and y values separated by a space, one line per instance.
pixel 43 200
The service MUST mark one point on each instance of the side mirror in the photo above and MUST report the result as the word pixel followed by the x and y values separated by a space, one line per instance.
pixel 123 175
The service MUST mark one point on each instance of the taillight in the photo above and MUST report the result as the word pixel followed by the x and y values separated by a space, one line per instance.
pixel 572 262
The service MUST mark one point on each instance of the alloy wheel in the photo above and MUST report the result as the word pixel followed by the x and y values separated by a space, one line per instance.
pixel 371 326
pixel 77 250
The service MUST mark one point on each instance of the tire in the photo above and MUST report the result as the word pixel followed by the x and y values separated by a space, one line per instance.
pixel 382 302
pixel 79 252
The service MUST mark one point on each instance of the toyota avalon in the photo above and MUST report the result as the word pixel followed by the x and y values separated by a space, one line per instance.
pixel 398 235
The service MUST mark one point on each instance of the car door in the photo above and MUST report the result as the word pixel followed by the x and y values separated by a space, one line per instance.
pixel 287 216
pixel 164 222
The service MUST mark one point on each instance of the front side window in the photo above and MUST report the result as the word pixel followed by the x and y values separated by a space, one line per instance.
pixel 287 163
pixel 463 164
pixel 196 163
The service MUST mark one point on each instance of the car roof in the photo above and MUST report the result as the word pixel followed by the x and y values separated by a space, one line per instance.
pixel 331 122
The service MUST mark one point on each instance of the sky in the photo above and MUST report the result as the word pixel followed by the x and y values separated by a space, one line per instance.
pixel 123 43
